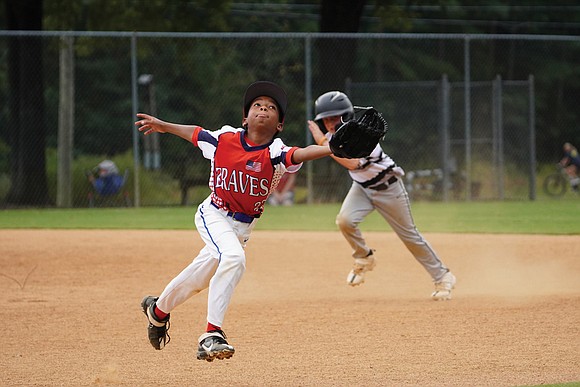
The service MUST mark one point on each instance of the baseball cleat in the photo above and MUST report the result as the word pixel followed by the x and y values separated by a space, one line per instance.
pixel 360 267
pixel 443 287
pixel 157 329
pixel 213 345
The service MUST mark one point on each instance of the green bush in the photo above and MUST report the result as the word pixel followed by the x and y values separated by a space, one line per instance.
pixel 156 188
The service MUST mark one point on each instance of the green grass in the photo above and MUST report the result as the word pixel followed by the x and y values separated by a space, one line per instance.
pixel 525 217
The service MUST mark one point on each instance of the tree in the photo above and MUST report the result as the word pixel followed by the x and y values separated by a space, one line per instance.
pixel 26 124
pixel 338 16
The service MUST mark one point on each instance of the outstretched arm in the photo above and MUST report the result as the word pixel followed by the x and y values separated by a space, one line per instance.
pixel 311 152
pixel 321 139
pixel 150 124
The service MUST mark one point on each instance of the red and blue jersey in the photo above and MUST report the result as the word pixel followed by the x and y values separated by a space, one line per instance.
pixel 243 175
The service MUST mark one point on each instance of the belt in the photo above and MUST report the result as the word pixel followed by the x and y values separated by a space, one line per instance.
pixel 383 186
pixel 239 216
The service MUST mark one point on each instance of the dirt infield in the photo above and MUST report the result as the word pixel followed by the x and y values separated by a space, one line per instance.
pixel 71 312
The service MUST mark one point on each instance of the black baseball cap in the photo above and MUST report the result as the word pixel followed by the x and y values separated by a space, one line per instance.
pixel 268 89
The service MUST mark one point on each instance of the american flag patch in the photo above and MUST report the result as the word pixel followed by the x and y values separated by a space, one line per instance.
pixel 255 166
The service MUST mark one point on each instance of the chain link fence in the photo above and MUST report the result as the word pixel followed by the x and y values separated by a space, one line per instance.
pixel 468 120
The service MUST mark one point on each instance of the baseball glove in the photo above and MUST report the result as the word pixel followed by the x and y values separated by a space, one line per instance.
pixel 358 137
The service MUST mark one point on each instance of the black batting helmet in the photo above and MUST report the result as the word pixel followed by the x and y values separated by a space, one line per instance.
pixel 333 103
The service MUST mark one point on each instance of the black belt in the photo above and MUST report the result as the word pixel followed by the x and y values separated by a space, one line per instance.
pixel 381 187
pixel 239 216
pixel 378 177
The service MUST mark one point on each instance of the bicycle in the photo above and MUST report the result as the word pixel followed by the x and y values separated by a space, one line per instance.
pixel 556 184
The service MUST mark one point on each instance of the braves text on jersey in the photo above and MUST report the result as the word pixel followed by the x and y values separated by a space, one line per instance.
pixel 242 174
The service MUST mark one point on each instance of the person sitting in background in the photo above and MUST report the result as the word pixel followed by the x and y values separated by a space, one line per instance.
pixel 107 181
pixel 283 195
pixel 571 162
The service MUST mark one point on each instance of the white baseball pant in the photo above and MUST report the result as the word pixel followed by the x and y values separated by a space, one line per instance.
pixel 219 266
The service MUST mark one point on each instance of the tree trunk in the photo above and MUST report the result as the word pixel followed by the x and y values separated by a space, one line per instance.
pixel 337 56
pixel 66 109
pixel 26 126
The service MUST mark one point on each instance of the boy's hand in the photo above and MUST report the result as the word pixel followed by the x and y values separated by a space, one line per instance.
pixel 317 134
pixel 149 124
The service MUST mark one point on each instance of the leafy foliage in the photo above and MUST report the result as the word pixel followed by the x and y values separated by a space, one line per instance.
pixel 202 80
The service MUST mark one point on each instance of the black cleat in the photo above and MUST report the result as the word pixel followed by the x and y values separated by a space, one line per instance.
pixel 157 329
pixel 213 345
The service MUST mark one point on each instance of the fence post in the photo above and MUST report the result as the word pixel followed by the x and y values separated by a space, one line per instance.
pixel 446 146
pixel 135 103
pixel 308 89
pixel 497 144
pixel 65 123
pixel 532 123
pixel 467 103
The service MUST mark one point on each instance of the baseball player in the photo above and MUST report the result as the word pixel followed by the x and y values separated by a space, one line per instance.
pixel 246 165
pixel 376 185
